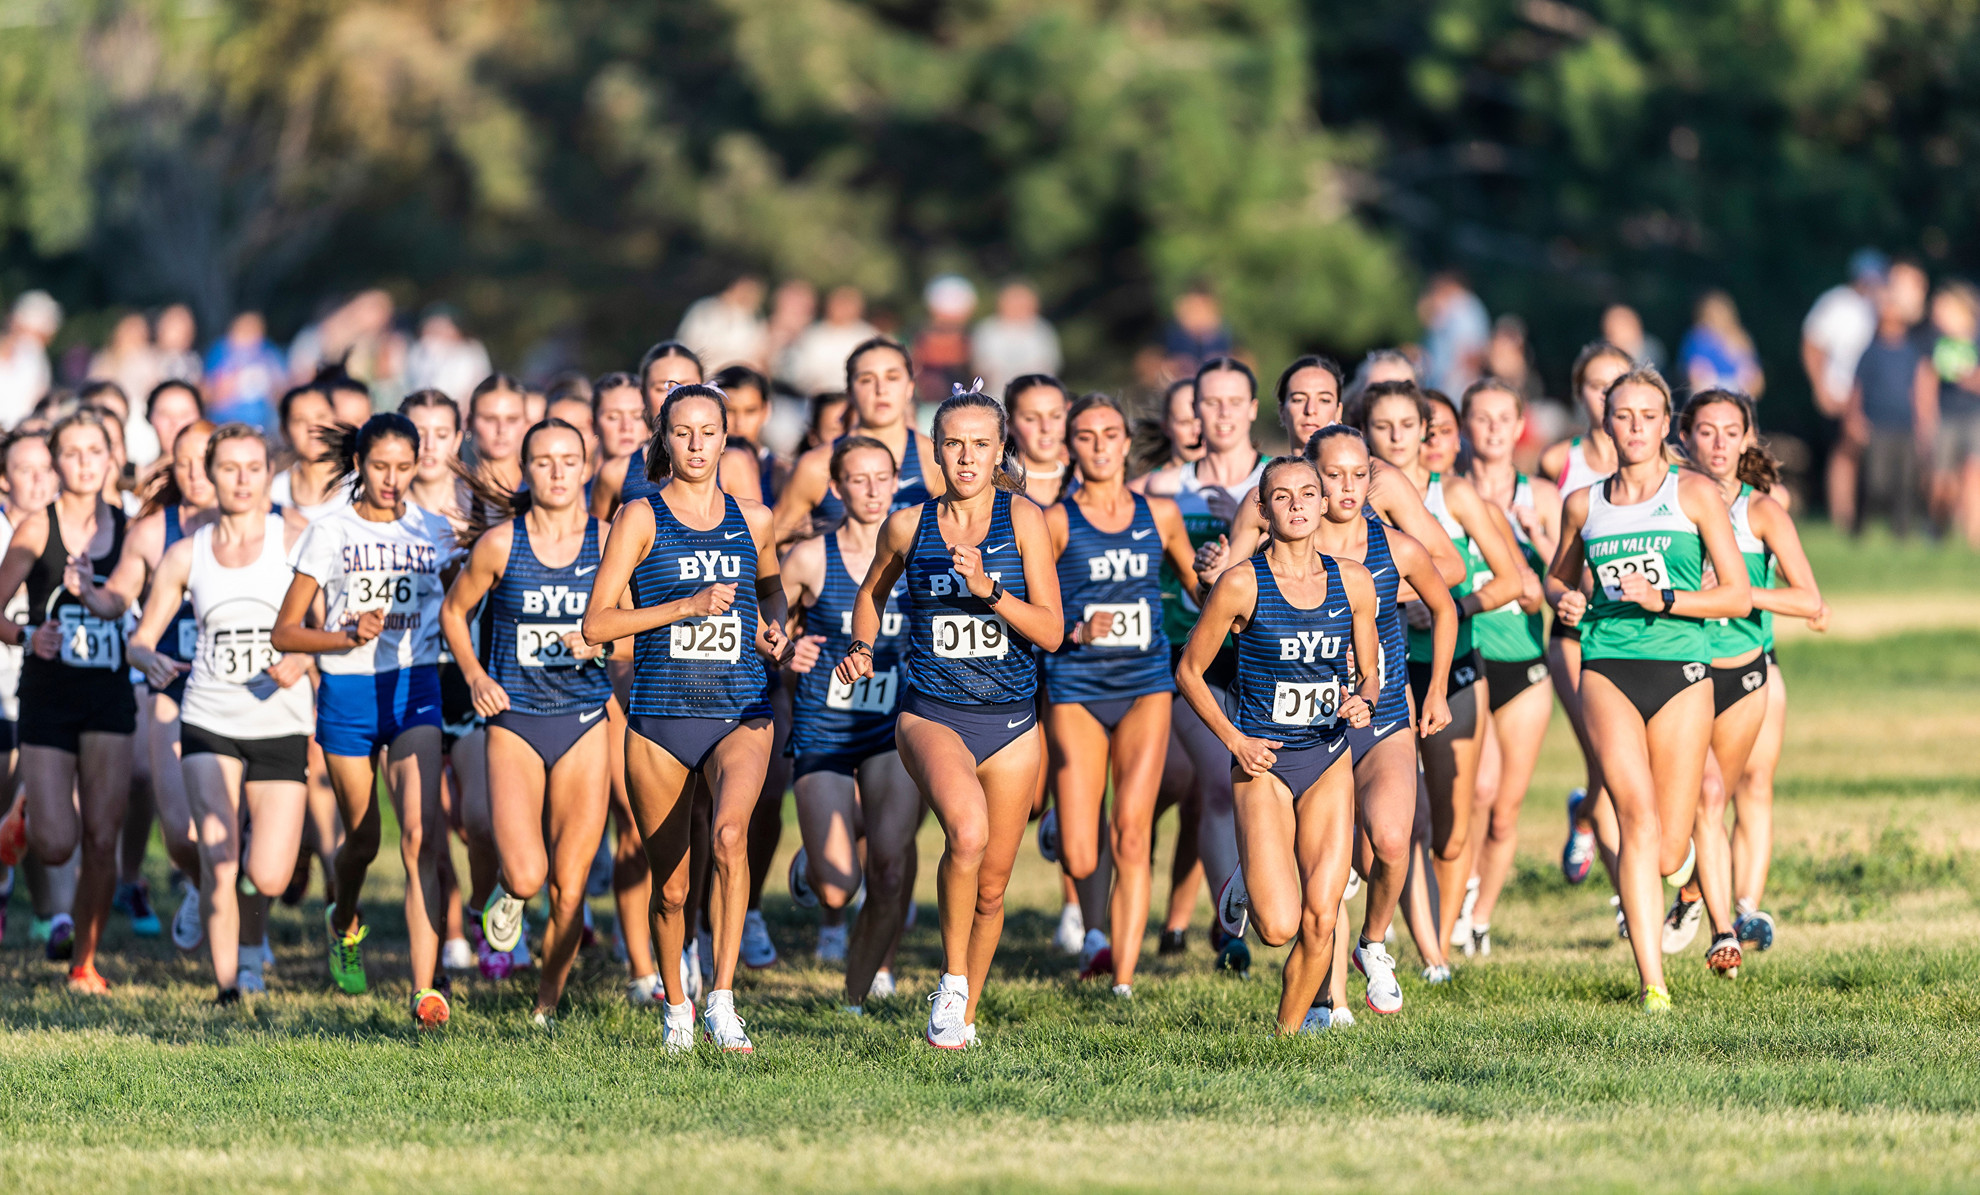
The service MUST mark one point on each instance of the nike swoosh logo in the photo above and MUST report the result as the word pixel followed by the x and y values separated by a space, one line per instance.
pixel 1339 612
pixel 727 720
pixel 733 534
pixel 1376 572
pixel 583 718
pixel 589 568
pixel 1382 730
pixel 1144 534
pixel 424 709
pixel 1018 723
pixel 999 547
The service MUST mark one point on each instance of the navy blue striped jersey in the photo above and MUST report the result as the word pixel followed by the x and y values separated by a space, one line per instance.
pixel 525 618
pixel 1292 667
pixel 958 649
pixel 1121 573
pixel 181 638
pixel 1393 702
pixel 636 485
pixel 700 667
pixel 910 487
pixel 828 716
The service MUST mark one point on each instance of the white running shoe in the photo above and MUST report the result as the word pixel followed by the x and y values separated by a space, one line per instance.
pixel 691 970
pixel 1681 923
pixel 1072 930
pixel 457 955
pixel 1048 834
pixel 946 1030
pixel 758 951
pixel 969 1033
pixel 882 986
pixel 1437 974
pixel 249 978
pixel 831 944
pixel 678 1032
pixel 1682 875
pixel 1353 885
pixel 1461 929
pixel 1318 1019
pixel 1481 941
pixel 1622 921
pixel 723 1026
pixel 1092 944
pixel 646 991
pixel 1124 991
pixel 1384 993
pixel 1234 905
pixel 188 927
pixel 801 894
pixel 1343 1018
pixel 502 920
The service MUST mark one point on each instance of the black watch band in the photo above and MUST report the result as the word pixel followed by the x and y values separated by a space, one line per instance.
pixel 1670 599
pixel 858 645
pixel 996 593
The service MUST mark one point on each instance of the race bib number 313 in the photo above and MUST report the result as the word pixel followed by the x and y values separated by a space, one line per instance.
pixel 718 637
pixel 239 654
pixel 1314 703
pixel 967 637
pixel 1648 565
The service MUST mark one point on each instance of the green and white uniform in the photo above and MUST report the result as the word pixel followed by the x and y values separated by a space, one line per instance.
pixel 1656 540
pixel 1475 574
pixel 1730 637
pixel 1206 510
pixel 1509 633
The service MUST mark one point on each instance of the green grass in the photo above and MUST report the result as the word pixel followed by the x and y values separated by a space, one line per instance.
pixel 1844 1059
pixel 1879 563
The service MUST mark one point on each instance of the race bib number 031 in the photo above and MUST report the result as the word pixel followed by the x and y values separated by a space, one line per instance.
pixel 868 695
pixel 718 637
pixel 1131 625
pixel 89 641
pixel 967 637
pixel 1315 703
pixel 1648 565
pixel 541 644
pixel 239 654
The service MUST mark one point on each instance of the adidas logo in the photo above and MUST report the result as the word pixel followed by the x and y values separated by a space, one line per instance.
pixel 1663 510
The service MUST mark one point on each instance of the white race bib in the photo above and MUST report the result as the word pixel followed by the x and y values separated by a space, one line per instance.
pixel 1306 703
pixel 718 637
pixel 239 654
pixel 541 645
pixel 89 641
pixel 379 591
pixel 873 694
pixel 967 637
pixel 188 639
pixel 1648 565
pixel 1132 626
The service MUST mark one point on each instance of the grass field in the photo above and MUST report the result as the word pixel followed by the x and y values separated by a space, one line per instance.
pixel 1848 1058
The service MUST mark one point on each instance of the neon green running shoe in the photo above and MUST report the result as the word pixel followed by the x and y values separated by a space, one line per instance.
pixel 1656 1000
pixel 346 960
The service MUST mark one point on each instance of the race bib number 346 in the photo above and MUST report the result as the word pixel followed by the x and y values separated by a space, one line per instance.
pixel 1315 703
pixel 968 637
pixel 379 591
pixel 718 638
pixel 1648 565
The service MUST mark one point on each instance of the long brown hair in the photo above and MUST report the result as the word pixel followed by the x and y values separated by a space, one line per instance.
pixel 164 491
pixel 1757 466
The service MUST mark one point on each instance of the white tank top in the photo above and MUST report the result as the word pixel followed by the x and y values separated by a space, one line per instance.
pixel 230 692
pixel 282 492
pixel 1578 475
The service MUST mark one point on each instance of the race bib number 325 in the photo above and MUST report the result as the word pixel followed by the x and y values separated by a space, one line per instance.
pixel 718 638
pixel 1314 703
pixel 1648 565
pixel 968 637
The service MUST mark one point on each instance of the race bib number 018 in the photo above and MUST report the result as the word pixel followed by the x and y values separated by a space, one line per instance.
pixel 379 591
pixel 1131 626
pixel 873 694
pixel 541 645
pixel 239 654
pixel 967 637
pixel 718 637
pixel 1315 703
pixel 1648 565
pixel 89 641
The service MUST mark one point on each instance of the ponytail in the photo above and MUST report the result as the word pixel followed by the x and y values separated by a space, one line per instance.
pixel 659 464
pixel 1757 466
pixel 163 492
pixel 1759 469
pixel 1008 474
pixel 350 445
pixel 490 503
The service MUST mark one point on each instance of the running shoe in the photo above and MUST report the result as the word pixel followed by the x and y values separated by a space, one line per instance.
pixel 346 957
pixel 1461 929
pixel 1481 941
pixel 228 998
pixel 1724 956
pixel 1441 973
pixel 134 901
pixel 1071 934
pixel 1318 1018
pixel 1353 885
pixel 1755 929
pixel 61 938
pixel 801 894
pixel 946 1030
pixel 1124 991
pixel 188 927
pixel 1048 834
pixel 84 980
pixel 1172 941
pixel 831 944
pixel 492 963
pixel 502 920
pixel 1681 922
pixel 543 1021
pixel 1091 952
pixel 723 1026
pixel 429 1008
pixel 1682 875
pixel 1234 905
pixel 1622 920
pixel 691 970
pixel 1374 963
pixel 38 930
pixel 250 978
pixel 1343 1019
pixel 1579 853
pixel 882 986
pixel 677 1032
pixel 519 957
pixel 645 991
pixel 1656 1000
pixel 1235 957
pixel 457 955
pixel 13 835
pixel 758 951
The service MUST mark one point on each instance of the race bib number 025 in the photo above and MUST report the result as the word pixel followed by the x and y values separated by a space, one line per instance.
pixel 868 695
pixel 1648 565
pixel 541 645
pixel 718 637
pixel 967 637
pixel 1315 703
pixel 89 641
pixel 1131 625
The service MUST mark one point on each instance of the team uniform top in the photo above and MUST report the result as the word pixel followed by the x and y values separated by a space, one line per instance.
pixel 394 567
pixel 637 485
pixel 826 715
pixel 1421 643
pixel 1393 701
pixel 1655 539
pixel 1737 636
pixel 527 614
pixel 910 488
pixel 282 493
pixel 699 667
pixel 10 657
pixel 181 637
pixel 1509 634
pixel 230 692
pixel 958 649
pixel 1292 663
pixel 1109 571
pixel 1579 474
pixel 91 647
pixel 1179 609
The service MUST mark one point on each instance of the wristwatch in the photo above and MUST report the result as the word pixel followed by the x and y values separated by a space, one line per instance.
pixel 996 593
pixel 1670 599
pixel 860 645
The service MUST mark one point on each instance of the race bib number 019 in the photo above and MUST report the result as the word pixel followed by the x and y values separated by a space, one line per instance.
pixel 967 637
pixel 1314 703
pixel 1648 565
pixel 873 694
pixel 1131 625
pixel 718 637
pixel 541 645
pixel 379 591
pixel 239 654
pixel 89 641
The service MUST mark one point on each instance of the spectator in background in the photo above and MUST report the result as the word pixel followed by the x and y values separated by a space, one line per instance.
pixel 244 372
pixel 128 360
pixel 1955 327
pixel 1833 336
pixel 793 305
pixel 1717 351
pixel 1014 341
pixel 169 408
pixel 444 358
pixel 1508 359
pixel 728 329
pixel 175 346
pixel 359 337
pixel 1893 411
pixel 941 349
pixel 1623 327
pixel 1196 331
pixel 1380 365
pixel 1456 333
pixel 815 363
pixel 24 369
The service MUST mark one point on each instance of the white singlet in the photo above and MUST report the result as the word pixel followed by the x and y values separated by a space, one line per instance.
pixel 394 567
pixel 282 492
pixel 230 692
pixel 10 657
pixel 1578 475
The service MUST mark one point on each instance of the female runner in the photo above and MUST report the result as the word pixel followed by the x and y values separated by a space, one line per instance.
pixel 377 564
pixel 698 709
pixel 247 709
pixel 1574 466
pixel 1296 696
pixel 1035 407
pixel 880 382
pixel 1646 534
pixel 850 780
pixel 311 484
pixel 1511 642
pixel 665 366
pixel 77 711
pixel 543 694
pixel 1717 429
pixel 1110 688
pixel 973 560
pixel 31 483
